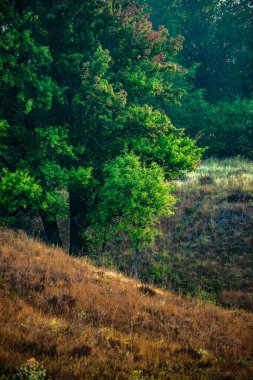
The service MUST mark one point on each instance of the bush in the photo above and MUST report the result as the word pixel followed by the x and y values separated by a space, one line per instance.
pixel 31 370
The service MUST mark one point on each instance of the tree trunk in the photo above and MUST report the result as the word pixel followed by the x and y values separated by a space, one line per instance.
pixel 51 231
pixel 136 262
pixel 77 244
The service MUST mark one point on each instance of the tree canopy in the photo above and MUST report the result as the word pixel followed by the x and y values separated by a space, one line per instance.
pixel 217 51
pixel 85 86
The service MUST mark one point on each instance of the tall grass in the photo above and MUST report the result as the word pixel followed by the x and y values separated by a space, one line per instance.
pixel 226 174
pixel 88 323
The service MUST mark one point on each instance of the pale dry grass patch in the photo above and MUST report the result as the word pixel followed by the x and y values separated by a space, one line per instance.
pixel 222 175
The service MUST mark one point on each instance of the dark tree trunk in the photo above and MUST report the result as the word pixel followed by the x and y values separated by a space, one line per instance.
pixel 136 262
pixel 105 239
pixel 103 247
pixel 77 244
pixel 51 231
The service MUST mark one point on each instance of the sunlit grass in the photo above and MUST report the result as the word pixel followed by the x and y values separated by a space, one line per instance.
pixel 227 174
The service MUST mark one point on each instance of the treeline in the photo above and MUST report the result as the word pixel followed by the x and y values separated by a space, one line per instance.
pixel 84 130
pixel 217 51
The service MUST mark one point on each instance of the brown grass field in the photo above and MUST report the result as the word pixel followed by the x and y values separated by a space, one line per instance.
pixel 89 323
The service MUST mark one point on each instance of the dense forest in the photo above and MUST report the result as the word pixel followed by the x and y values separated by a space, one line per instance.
pixel 217 52
pixel 104 103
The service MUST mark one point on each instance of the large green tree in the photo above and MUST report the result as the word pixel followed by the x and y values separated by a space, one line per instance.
pixel 38 161
pixel 89 82
pixel 126 82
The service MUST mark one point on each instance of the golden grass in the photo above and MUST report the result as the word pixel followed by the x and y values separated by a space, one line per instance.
pixel 89 323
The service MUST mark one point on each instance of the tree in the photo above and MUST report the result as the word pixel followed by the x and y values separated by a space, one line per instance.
pixel 133 199
pixel 218 36
pixel 98 79
pixel 37 157
pixel 225 127
pixel 218 86
pixel 116 102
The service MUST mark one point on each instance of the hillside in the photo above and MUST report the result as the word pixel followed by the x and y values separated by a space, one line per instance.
pixel 211 231
pixel 210 234
pixel 87 323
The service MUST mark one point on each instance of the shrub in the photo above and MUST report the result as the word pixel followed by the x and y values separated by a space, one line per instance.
pixel 31 370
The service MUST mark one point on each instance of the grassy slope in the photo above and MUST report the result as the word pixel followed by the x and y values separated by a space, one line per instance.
pixel 210 235
pixel 88 323
pixel 212 231
pixel 206 247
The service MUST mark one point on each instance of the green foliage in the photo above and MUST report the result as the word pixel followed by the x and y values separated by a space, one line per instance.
pixel 218 36
pixel 152 136
pixel 133 198
pixel 216 105
pixel 225 127
pixel 231 129
pixel 32 370
pixel 19 190
pixel 80 86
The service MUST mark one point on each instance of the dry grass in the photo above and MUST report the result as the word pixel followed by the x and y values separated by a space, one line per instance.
pixel 226 175
pixel 88 323
pixel 211 231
